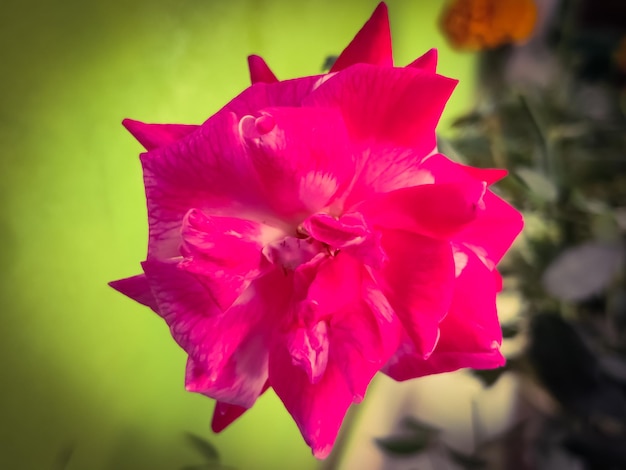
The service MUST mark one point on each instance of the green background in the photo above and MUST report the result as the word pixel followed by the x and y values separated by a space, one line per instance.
pixel 85 371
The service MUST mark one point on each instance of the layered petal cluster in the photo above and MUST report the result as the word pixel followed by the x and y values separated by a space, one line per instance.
pixel 308 235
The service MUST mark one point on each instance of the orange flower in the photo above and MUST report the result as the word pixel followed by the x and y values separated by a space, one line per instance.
pixel 485 24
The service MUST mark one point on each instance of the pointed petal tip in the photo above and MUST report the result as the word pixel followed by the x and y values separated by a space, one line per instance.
pixel 322 452
pixel 427 61
pixel 137 289
pixel 260 71
pixel 371 45
pixel 153 136
pixel 224 415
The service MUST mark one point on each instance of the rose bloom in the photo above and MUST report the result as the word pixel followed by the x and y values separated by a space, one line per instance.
pixel 309 235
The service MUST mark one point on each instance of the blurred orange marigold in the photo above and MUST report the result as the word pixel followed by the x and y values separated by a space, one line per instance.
pixel 485 24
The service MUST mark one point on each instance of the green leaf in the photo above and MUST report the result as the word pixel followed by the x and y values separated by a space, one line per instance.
pixel 420 427
pixel 203 446
pixel 418 437
pixel 402 445
pixel 538 183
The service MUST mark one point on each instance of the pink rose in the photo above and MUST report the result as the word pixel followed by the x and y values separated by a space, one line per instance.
pixel 309 235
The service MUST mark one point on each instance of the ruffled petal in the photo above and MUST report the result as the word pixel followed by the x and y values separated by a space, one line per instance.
pixel 470 335
pixel 435 210
pixel 371 45
pixel 209 169
pixel 418 280
pixel 137 288
pixel 362 330
pixel 364 335
pixel 361 334
pixel 225 253
pixel 493 231
pixel 397 106
pixel 495 227
pixel 302 156
pixel 391 115
pixel 227 351
pixel 349 233
pixel 259 71
pixel 261 95
pixel 308 347
pixel 427 62
pixel 318 409
pixel 153 136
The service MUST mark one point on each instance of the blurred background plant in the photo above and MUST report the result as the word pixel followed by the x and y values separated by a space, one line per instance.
pixel 551 111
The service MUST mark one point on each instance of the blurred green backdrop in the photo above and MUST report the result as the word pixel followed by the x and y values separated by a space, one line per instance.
pixel 91 380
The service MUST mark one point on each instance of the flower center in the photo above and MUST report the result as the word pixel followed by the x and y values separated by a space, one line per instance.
pixel 291 252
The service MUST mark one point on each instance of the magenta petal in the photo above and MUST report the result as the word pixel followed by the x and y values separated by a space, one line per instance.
pixel 470 335
pixel 427 62
pixel 225 253
pixel 350 233
pixel 318 409
pixel 363 333
pixel 496 226
pixel 443 170
pixel 396 106
pixel 153 136
pixel 267 95
pixel 309 349
pixel 434 210
pixel 137 288
pixel 224 414
pixel 208 169
pixel 302 157
pixel 371 45
pixel 360 341
pixel 259 71
pixel 494 230
pixel 488 175
pixel 227 351
pixel 418 280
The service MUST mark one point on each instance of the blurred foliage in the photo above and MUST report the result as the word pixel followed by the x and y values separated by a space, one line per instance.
pixel 553 112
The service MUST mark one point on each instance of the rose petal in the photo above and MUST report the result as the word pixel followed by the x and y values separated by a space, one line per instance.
pixel 371 45
pixel 391 115
pixel 225 253
pixel 318 409
pixel 153 136
pixel 265 95
pixel 399 106
pixel 350 233
pixel 418 280
pixel 137 288
pixel 302 157
pixel 494 230
pixel 495 227
pixel 435 210
pixel 208 169
pixel 224 414
pixel 227 351
pixel 259 71
pixel 362 332
pixel 427 62
pixel 309 349
pixel 470 335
